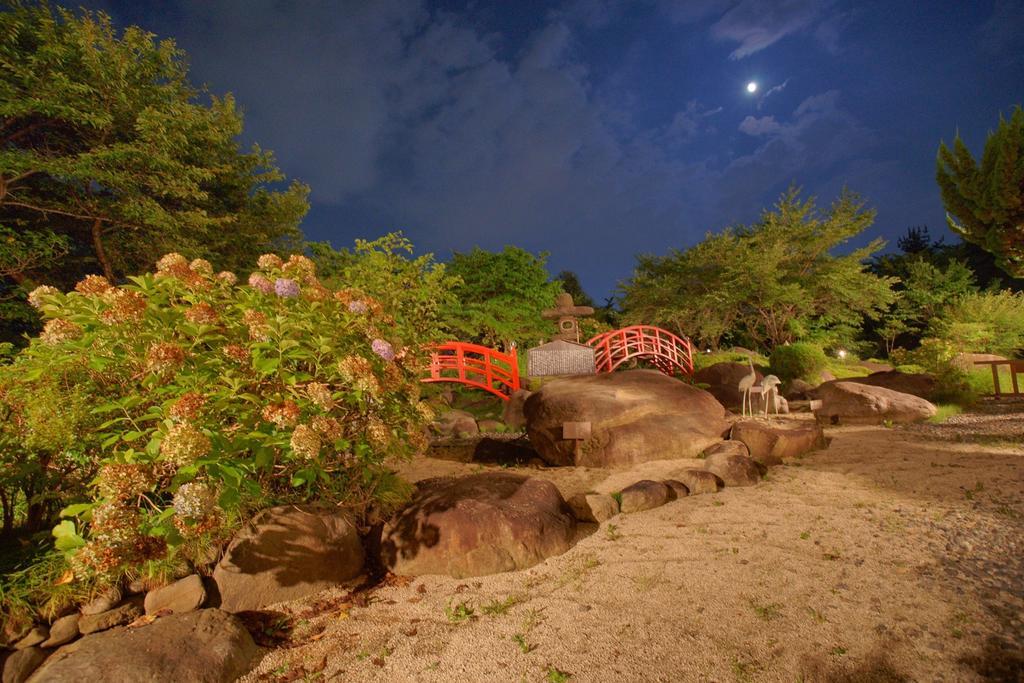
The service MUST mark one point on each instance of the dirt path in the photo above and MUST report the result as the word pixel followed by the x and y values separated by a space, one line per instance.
pixel 889 556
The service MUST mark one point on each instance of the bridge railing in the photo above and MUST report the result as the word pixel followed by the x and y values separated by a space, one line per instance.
pixel 478 366
pixel 668 352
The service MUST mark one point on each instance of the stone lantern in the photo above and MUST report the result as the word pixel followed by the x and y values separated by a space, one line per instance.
pixel 567 314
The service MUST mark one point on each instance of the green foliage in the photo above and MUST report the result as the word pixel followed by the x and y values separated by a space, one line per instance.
pixel 985 202
pixel 799 360
pixel 458 613
pixel 162 411
pixel 111 157
pixel 938 357
pixel 703 360
pixel 767 284
pixel 500 297
pixel 986 322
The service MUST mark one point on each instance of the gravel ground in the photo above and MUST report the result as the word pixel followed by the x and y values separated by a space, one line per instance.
pixel 894 555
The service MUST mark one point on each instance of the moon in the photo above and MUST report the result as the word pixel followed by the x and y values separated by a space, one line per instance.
pixel 752 87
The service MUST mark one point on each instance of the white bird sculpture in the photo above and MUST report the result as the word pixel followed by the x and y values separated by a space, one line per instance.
pixel 744 386
pixel 770 392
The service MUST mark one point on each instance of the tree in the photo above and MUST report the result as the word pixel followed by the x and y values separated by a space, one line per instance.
pixel 501 296
pixel 985 204
pixel 571 286
pixel 108 151
pixel 771 283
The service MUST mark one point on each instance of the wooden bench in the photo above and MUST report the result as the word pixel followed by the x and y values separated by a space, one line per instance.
pixel 1015 366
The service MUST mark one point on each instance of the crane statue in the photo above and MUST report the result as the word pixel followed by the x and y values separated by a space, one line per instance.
pixel 745 386
pixel 770 392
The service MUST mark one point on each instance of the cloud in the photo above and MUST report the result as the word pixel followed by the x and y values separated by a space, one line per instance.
pixel 757 24
pixel 765 125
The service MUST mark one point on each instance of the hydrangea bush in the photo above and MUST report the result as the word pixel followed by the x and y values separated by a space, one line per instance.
pixel 187 399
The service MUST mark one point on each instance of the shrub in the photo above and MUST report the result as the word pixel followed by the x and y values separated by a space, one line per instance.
pixel 168 409
pixel 798 361
pixel 937 357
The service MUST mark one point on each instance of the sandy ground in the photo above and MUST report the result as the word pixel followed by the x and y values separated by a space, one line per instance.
pixel 892 555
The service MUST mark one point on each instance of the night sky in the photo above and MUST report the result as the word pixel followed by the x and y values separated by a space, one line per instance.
pixel 598 129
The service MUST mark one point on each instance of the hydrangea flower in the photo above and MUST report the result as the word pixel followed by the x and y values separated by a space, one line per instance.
pixel 170 262
pixel 36 296
pixel 261 284
pixel 184 444
pixel 269 262
pixel 195 500
pixel 327 427
pixel 237 353
pixel 306 442
pixel 285 288
pixel 201 266
pixel 202 314
pixel 124 307
pixel 124 481
pixel 358 306
pixel 320 395
pixel 284 414
pixel 94 284
pixel 188 407
pixel 59 330
pixel 227 277
pixel 164 357
pixel 383 349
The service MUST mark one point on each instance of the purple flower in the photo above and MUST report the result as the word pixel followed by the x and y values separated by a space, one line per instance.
pixel 358 306
pixel 383 349
pixel 260 283
pixel 286 289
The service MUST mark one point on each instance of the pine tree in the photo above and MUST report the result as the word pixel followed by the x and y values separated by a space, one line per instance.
pixel 985 203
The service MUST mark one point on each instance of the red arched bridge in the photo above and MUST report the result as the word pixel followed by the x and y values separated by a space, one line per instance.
pixel 491 370
pixel 667 352
pixel 475 365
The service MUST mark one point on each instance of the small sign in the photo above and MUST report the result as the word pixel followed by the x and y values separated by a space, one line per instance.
pixel 576 431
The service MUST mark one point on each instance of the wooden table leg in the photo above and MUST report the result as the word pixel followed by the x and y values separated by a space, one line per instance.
pixel 995 379
pixel 1013 379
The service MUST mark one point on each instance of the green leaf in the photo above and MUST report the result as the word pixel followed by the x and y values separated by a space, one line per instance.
pixel 76 509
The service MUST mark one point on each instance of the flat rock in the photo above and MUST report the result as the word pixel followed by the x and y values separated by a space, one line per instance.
pixel 119 616
pixel 207 646
pixel 700 481
pixel 635 416
pixel 34 637
pixel 22 664
pixel 643 495
pixel 771 443
pixel 288 552
pixel 63 631
pixel 184 595
pixel 734 469
pixel 104 602
pixel 676 489
pixel 477 525
pixel 797 390
pixel 917 384
pixel 854 403
pixel 593 507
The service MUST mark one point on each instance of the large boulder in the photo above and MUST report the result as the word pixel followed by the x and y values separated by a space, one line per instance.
pixel 772 443
pixel 285 553
pixel 455 424
pixel 916 384
pixel 854 403
pixel 733 468
pixel 700 481
pixel 184 595
pixel 512 414
pixel 593 507
pixel 476 525
pixel 20 665
pixel 723 381
pixel 644 495
pixel 208 646
pixel 635 416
